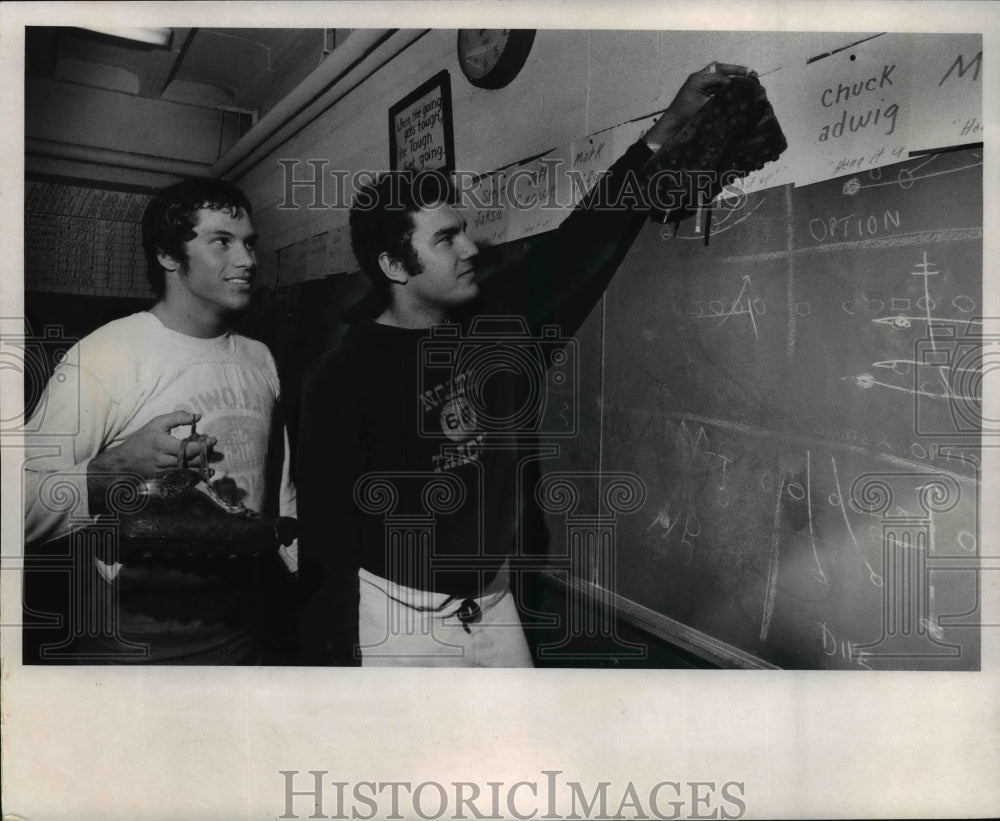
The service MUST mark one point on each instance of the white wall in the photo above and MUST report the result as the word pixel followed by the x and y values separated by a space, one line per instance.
pixel 574 83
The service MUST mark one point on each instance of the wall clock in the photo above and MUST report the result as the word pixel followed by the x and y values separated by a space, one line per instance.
pixel 491 58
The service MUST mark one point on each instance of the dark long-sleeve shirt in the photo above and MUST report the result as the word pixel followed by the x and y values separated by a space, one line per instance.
pixel 417 453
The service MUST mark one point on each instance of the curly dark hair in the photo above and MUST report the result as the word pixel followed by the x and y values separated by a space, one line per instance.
pixel 381 218
pixel 169 219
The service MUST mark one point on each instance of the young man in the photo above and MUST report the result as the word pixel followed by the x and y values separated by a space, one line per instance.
pixel 120 405
pixel 416 490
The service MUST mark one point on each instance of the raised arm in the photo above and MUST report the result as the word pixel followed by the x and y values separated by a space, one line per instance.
pixel 564 275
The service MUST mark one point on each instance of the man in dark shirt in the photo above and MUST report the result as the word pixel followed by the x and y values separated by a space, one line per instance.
pixel 416 464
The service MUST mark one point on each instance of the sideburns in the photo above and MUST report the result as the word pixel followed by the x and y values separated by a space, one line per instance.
pixel 411 261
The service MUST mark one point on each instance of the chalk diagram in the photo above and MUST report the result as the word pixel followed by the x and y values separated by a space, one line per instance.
pixel 744 304
pixel 808 543
pixel 702 489
pixel 695 461
pixel 905 177
pixel 731 208
pixel 947 363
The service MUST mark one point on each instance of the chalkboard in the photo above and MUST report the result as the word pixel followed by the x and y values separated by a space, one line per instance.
pixel 792 412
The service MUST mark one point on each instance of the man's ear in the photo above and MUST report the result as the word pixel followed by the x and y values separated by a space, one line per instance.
pixel 393 268
pixel 167 262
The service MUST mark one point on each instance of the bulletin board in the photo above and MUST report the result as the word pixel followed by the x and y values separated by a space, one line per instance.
pixel 84 238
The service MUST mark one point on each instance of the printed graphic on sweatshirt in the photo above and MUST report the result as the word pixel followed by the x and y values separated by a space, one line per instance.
pixel 459 423
pixel 239 476
pixel 240 420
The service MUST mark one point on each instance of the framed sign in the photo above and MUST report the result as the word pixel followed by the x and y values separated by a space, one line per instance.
pixel 420 128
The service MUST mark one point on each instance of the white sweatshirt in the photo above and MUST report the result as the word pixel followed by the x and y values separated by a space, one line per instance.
pixel 125 373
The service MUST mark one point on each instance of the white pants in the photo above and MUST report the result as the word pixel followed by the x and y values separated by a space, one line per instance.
pixel 403 627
